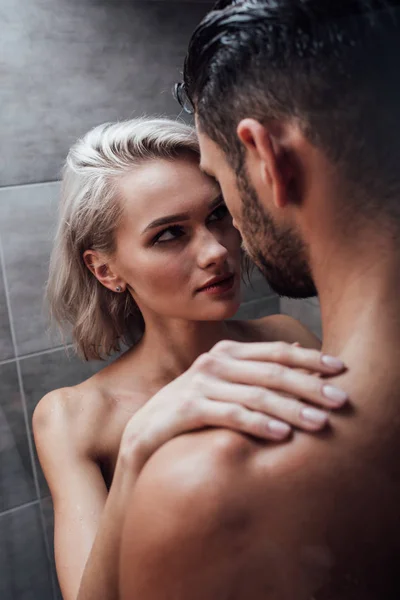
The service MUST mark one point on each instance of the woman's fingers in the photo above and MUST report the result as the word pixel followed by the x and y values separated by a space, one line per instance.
pixel 278 406
pixel 238 418
pixel 290 355
pixel 275 377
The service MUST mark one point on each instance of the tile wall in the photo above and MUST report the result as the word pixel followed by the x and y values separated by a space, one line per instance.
pixel 66 66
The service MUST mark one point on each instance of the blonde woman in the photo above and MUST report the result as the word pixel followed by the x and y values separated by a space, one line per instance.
pixel 146 256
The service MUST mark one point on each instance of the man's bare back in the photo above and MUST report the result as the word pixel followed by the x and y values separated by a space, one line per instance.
pixel 227 517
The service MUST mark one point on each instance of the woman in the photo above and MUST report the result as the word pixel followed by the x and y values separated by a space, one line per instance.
pixel 146 256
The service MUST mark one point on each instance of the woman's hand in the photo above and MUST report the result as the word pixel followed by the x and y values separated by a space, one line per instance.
pixel 254 388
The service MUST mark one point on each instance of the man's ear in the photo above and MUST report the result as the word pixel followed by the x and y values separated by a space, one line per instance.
pixel 266 152
pixel 100 267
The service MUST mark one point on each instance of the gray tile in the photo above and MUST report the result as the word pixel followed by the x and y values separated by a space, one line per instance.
pixel 314 301
pixel 16 477
pixel 27 221
pixel 255 309
pixel 6 345
pixel 256 288
pixel 304 311
pixel 67 66
pixel 24 568
pixel 46 372
pixel 48 516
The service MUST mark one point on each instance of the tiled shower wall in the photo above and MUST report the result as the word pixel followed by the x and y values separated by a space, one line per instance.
pixel 67 65
pixel 306 311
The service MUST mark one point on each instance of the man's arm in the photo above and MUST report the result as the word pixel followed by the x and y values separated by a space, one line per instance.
pixel 207 521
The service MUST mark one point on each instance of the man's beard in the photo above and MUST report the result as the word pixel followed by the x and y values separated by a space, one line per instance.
pixel 279 253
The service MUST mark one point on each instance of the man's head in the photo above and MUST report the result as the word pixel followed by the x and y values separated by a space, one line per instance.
pixel 298 101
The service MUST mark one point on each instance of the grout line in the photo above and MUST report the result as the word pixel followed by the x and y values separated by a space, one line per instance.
pixel 9 511
pixel 19 374
pixel 24 404
pixel 48 351
pixel 25 185
pixel 38 353
pixel 7 361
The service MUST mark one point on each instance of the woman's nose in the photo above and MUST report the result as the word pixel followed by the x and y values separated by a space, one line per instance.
pixel 211 252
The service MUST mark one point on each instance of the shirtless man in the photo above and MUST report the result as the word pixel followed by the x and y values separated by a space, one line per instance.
pixel 297 110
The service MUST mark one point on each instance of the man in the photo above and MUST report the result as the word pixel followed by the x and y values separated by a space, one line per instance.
pixel 297 106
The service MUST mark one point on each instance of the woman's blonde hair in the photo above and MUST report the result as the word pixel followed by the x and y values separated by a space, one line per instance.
pixel 89 213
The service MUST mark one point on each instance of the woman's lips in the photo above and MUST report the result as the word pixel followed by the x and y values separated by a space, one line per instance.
pixel 220 287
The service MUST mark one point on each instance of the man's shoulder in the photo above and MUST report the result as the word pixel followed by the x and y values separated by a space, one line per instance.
pixel 210 474
pixel 232 507
pixel 232 512
pixel 188 460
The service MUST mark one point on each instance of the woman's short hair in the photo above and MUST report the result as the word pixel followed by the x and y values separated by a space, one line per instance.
pixel 90 211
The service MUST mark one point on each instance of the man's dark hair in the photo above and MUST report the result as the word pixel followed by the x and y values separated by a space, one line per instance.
pixel 333 65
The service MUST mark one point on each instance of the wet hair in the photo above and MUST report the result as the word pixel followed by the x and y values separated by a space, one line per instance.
pixel 330 65
pixel 90 211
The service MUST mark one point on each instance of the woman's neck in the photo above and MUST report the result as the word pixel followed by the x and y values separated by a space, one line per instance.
pixel 171 346
pixel 166 350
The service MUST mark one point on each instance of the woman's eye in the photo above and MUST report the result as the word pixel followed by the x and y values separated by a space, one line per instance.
pixel 219 213
pixel 172 233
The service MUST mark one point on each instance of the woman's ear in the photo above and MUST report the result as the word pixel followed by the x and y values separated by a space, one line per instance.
pixel 100 267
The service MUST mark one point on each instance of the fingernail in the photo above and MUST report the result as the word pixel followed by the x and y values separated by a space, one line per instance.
pixel 334 394
pixel 278 428
pixel 332 362
pixel 314 416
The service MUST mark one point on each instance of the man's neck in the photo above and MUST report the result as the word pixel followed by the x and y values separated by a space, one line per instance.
pixel 359 288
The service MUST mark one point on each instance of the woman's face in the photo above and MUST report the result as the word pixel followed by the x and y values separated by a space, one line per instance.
pixel 176 237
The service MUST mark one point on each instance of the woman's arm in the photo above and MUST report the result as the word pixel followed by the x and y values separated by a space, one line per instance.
pixel 87 524
pixel 100 577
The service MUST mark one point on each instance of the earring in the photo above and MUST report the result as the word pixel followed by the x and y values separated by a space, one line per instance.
pixel 118 289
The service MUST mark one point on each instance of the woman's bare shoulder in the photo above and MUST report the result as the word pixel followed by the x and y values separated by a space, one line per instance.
pixel 66 411
pixel 65 405
pixel 281 328
pixel 92 414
